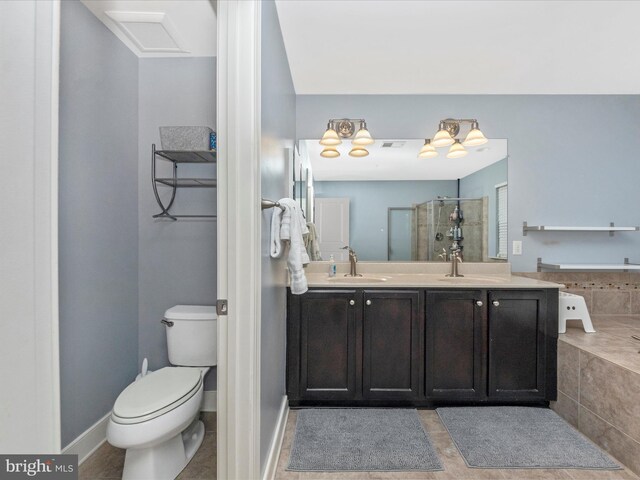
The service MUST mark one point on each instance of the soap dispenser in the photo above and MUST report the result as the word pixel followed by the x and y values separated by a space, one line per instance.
pixel 332 266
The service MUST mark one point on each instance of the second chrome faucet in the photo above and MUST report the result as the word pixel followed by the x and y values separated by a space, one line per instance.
pixel 353 260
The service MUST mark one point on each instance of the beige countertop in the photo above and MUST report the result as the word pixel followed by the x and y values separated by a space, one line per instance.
pixel 418 274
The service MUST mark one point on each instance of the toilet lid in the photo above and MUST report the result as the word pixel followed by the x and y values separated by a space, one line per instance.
pixel 157 390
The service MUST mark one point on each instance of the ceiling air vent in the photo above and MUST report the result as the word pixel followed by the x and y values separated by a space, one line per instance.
pixel 151 32
pixel 393 144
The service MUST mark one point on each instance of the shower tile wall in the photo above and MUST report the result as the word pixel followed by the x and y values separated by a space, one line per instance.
pixel 433 219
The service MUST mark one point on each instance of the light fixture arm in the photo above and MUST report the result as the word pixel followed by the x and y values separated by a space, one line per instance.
pixel 346 127
pixel 452 125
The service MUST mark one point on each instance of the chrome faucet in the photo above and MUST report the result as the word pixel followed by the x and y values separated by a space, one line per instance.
pixel 455 259
pixel 353 259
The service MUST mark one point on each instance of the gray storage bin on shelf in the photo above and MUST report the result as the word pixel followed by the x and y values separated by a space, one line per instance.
pixel 185 138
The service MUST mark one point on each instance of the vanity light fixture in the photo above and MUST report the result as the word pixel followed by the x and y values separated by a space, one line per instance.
pixel 330 137
pixel 330 152
pixel 337 129
pixel 363 137
pixel 457 150
pixel 475 137
pixel 428 150
pixel 448 129
pixel 358 151
pixel 443 137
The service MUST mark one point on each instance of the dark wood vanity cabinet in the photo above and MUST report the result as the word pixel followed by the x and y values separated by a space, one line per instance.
pixel 323 359
pixel 421 347
pixel 392 328
pixel 522 345
pixel 455 349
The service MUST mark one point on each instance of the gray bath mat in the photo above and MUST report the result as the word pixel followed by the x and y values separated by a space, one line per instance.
pixel 340 439
pixel 520 437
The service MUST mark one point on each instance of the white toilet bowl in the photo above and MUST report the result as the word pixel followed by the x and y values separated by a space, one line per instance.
pixel 155 419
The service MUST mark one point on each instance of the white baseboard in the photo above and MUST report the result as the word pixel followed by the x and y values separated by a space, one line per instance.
pixel 276 441
pixel 89 441
pixel 210 401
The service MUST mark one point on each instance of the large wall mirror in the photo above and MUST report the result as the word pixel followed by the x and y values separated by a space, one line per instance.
pixel 392 205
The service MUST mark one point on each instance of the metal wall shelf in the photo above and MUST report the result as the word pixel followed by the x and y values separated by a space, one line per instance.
pixel 188 182
pixel 552 228
pixel 586 267
pixel 176 157
pixel 189 156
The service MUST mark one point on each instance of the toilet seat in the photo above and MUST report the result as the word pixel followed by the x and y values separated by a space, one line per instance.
pixel 156 394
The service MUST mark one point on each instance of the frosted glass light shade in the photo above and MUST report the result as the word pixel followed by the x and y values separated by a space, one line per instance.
pixel 330 152
pixel 330 138
pixel 358 151
pixel 475 138
pixel 427 150
pixel 457 150
pixel 442 139
pixel 362 138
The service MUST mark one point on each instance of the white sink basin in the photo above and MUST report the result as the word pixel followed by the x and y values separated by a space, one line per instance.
pixel 473 279
pixel 362 279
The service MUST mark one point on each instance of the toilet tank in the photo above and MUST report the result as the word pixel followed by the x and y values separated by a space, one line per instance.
pixel 191 335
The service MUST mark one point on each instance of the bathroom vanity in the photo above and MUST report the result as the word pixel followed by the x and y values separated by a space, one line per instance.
pixel 416 337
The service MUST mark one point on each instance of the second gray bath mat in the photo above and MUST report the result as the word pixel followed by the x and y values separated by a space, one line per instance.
pixel 341 439
pixel 520 437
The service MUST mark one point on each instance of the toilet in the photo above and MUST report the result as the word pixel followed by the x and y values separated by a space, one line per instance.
pixel 156 417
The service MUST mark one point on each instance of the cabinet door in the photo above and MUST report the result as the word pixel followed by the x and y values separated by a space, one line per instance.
pixel 392 325
pixel 327 345
pixel 517 350
pixel 455 350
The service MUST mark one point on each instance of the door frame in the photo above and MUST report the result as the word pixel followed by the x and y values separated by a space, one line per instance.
pixel 238 246
pixel 29 296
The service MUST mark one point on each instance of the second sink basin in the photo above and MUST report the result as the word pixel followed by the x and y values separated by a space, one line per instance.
pixel 362 279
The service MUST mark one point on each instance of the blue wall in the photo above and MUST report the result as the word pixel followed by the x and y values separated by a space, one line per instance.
pixel 98 219
pixel 368 208
pixel 278 125
pixel 483 184
pixel 119 268
pixel 573 159
pixel 177 259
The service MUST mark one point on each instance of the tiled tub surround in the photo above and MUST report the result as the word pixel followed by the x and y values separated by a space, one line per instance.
pixel 599 373
pixel 599 384
pixel 605 293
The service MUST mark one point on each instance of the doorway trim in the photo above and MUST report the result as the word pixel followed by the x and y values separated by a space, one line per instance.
pixel 29 351
pixel 238 249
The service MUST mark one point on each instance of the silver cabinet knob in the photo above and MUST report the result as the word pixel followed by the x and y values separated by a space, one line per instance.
pixel 479 303
pixel 496 303
pixel 352 302
pixel 368 302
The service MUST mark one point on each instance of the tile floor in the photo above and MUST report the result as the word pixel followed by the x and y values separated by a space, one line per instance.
pixel 455 468
pixel 107 461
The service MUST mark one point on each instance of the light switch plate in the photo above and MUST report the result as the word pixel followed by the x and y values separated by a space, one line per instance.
pixel 517 247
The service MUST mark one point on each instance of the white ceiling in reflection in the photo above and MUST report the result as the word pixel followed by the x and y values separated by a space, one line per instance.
pixel 399 163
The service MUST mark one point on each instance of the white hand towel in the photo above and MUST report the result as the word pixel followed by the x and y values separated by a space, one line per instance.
pixel 290 225
pixel 276 241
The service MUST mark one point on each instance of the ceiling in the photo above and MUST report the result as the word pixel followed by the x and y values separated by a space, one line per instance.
pixel 400 162
pixel 161 28
pixel 462 47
